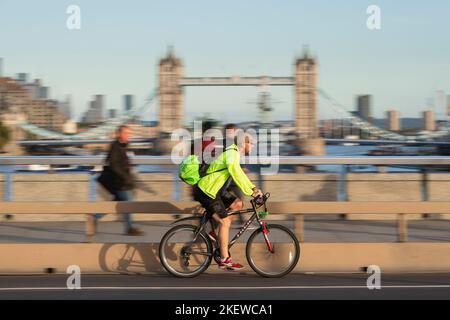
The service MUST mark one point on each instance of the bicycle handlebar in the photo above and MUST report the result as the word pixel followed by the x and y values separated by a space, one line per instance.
pixel 261 200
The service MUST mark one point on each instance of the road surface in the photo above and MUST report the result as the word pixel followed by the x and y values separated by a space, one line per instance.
pixel 227 286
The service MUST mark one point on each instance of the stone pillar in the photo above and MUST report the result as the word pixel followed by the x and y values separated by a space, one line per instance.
pixel 312 147
pixel 171 114
pixel 393 119
pixel 428 120
pixel 448 106
pixel 306 106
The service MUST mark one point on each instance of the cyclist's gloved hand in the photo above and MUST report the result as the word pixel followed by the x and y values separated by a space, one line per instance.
pixel 257 193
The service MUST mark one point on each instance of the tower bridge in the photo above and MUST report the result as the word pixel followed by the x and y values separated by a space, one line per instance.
pixel 172 81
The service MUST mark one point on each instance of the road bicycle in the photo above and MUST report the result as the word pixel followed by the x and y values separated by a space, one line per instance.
pixel 272 250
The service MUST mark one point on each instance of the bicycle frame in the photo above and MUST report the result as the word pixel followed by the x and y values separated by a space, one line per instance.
pixel 204 220
pixel 246 225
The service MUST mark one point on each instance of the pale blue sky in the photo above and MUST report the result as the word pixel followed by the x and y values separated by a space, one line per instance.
pixel 120 42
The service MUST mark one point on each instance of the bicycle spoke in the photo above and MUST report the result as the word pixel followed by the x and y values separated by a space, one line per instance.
pixel 181 255
pixel 273 254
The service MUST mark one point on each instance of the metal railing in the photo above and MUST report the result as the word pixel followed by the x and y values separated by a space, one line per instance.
pixel 297 209
pixel 282 160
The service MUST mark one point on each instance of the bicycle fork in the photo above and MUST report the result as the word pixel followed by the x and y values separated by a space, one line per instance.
pixel 265 232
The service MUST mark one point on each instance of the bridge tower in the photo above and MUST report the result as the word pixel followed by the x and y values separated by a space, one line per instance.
pixel 306 119
pixel 171 113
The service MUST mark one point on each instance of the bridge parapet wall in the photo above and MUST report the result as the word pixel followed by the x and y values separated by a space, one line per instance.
pixel 283 187
pixel 383 187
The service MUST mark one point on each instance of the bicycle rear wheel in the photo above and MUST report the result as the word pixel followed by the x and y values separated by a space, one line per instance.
pixel 274 254
pixel 183 257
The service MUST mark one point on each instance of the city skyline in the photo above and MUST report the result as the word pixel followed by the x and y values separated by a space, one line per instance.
pixel 398 65
pixel 96 112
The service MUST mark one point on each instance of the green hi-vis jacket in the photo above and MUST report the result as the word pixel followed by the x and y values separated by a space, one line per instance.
pixel 226 165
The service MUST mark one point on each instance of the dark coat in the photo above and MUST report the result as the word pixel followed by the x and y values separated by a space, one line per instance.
pixel 120 165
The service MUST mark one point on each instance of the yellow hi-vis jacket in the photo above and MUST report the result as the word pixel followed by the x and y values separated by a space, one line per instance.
pixel 226 165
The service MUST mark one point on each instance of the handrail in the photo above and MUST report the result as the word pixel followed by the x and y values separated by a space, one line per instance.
pixel 186 207
pixel 282 160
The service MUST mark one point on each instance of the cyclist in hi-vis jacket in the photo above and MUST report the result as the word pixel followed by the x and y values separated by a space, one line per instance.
pixel 211 191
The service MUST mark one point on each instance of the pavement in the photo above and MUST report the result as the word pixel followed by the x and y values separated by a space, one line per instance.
pixel 229 285
pixel 329 230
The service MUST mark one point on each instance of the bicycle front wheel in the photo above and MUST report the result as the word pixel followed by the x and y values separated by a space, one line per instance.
pixel 181 255
pixel 274 254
